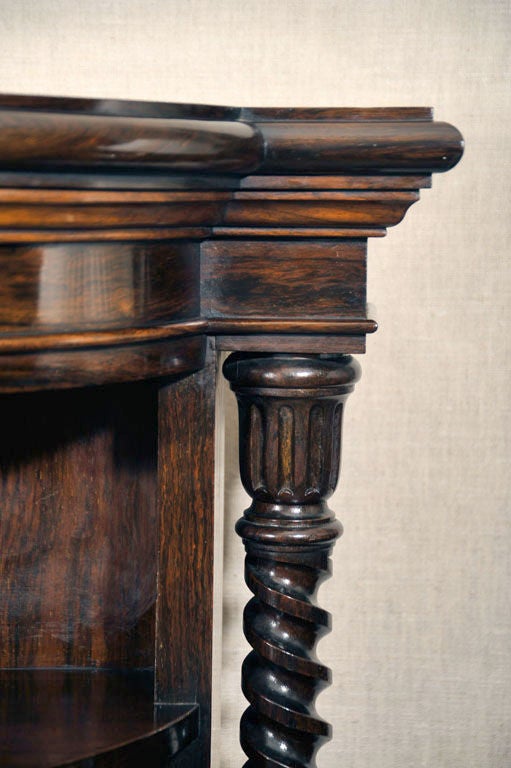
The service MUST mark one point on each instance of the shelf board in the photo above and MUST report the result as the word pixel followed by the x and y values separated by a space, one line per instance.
pixel 87 718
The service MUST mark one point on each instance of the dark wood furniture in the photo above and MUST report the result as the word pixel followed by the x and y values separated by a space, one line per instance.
pixel 136 240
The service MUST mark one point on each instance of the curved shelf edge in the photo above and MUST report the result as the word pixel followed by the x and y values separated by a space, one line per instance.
pixel 92 366
pixel 56 718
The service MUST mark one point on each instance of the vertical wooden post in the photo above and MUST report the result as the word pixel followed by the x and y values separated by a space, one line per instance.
pixel 184 629
pixel 290 409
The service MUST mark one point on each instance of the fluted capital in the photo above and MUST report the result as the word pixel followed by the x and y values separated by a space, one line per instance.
pixel 290 425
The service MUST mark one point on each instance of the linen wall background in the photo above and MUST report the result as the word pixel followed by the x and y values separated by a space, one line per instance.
pixel 422 634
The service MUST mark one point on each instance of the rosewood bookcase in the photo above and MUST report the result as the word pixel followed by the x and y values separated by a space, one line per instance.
pixel 137 240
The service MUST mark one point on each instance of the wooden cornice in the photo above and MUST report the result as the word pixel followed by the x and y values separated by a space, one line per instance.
pixel 135 222
pixel 46 134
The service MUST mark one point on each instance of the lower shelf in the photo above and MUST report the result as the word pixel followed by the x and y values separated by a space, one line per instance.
pixel 88 718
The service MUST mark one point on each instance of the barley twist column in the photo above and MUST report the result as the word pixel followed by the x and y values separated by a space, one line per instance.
pixel 290 411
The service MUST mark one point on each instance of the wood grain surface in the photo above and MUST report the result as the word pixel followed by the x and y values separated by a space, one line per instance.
pixel 268 278
pixel 75 287
pixel 89 366
pixel 78 528
pixel 88 719
pixel 129 234
pixel 46 141
pixel 290 423
pixel 185 572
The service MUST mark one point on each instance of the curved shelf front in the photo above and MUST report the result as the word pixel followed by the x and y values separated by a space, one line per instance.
pixel 51 718
pixel 82 314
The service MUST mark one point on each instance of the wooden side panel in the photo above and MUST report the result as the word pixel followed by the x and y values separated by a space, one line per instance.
pixel 78 528
pixel 185 582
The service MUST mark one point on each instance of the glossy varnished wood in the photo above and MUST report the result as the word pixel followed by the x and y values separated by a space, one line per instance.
pixel 108 216
pixel 328 114
pixel 88 365
pixel 271 279
pixel 311 140
pixel 41 342
pixel 361 146
pixel 117 107
pixel 316 209
pixel 88 719
pixel 43 141
pixel 76 287
pixel 280 198
pixel 335 181
pixel 295 343
pixel 134 238
pixel 290 410
pixel 78 528
pixel 185 573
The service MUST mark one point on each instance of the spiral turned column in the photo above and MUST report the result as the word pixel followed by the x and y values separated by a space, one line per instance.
pixel 290 410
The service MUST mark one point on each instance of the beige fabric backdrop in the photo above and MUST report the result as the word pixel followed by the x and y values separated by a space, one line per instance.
pixel 422 640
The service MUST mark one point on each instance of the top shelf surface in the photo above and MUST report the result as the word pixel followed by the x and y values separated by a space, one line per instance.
pixel 162 110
